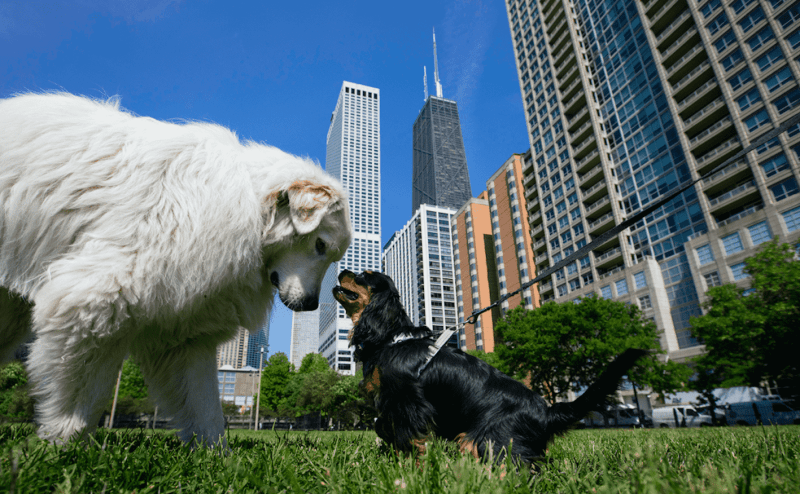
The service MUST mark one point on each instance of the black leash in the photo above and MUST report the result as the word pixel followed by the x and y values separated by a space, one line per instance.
pixel 604 237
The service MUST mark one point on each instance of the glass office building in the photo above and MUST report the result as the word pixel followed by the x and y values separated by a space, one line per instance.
pixel 627 100
pixel 353 156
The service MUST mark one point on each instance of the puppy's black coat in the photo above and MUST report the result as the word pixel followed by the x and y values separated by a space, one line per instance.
pixel 456 396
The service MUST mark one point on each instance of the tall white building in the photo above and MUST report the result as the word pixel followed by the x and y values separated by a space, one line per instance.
pixel 305 336
pixel 353 156
pixel 419 258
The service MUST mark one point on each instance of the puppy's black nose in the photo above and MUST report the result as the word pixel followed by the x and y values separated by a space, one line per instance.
pixel 275 279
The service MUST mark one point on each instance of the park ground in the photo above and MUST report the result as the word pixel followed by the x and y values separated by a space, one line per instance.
pixel 733 460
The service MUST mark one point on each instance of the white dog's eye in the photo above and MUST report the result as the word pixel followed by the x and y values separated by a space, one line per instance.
pixel 321 247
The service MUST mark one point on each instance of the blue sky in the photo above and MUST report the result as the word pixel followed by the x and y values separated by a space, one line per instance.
pixel 271 71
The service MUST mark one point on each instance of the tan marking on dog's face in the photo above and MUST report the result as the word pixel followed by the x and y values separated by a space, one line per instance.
pixel 467 446
pixel 354 308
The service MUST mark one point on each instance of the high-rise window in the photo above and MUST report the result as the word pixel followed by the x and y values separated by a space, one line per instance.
pixel 732 244
pixel 759 233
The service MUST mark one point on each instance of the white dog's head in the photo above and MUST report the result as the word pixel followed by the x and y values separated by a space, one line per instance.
pixel 313 215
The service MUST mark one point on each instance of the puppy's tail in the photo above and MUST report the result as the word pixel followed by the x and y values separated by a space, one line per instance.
pixel 561 415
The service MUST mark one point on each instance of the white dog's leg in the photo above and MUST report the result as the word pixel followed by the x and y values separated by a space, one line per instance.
pixel 15 323
pixel 79 318
pixel 184 383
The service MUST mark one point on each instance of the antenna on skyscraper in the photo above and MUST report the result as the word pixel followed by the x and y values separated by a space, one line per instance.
pixel 436 68
pixel 425 80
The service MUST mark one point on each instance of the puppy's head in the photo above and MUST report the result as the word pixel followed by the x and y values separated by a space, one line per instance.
pixel 372 302
pixel 315 218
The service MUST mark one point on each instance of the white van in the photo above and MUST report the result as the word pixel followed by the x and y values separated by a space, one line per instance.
pixel 771 410
pixel 619 416
pixel 684 416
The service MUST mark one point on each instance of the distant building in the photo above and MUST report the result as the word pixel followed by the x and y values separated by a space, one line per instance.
pixel 419 259
pixel 258 341
pixel 233 352
pixel 305 336
pixel 440 175
pixel 237 386
pixel 627 103
pixel 353 156
pixel 493 253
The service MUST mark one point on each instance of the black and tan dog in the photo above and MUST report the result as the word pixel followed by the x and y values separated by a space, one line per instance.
pixel 455 396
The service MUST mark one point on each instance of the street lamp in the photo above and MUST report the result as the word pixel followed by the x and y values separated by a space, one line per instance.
pixel 258 396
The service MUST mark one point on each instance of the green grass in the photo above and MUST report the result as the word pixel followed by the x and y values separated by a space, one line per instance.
pixel 756 459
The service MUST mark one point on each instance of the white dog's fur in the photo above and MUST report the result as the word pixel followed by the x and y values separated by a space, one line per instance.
pixel 127 235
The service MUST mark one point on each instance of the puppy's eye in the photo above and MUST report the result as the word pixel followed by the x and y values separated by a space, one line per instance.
pixel 320 246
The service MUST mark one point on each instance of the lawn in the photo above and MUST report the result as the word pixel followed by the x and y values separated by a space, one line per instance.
pixel 741 459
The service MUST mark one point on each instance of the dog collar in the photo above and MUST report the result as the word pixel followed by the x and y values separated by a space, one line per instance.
pixel 402 337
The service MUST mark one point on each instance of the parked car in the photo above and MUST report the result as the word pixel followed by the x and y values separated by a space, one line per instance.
pixel 684 416
pixel 771 410
pixel 619 416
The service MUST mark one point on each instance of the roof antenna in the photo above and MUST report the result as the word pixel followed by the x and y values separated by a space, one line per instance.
pixel 436 68
pixel 425 80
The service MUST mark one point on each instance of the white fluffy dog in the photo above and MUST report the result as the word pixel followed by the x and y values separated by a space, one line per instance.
pixel 127 235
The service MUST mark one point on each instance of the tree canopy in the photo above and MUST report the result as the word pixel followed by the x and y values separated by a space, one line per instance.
pixel 753 335
pixel 274 378
pixel 566 346
pixel 15 402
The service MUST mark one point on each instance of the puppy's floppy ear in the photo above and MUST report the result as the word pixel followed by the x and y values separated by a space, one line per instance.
pixel 383 318
pixel 308 203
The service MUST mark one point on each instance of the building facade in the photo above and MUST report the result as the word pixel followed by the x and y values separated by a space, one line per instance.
pixel 419 259
pixel 237 385
pixel 494 253
pixel 234 352
pixel 305 336
pixel 353 156
pixel 258 341
pixel 626 101
pixel 440 174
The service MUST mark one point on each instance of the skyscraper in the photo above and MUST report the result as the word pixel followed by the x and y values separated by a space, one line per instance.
pixel 440 174
pixel 353 156
pixel 419 258
pixel 627 100
pixel 305 336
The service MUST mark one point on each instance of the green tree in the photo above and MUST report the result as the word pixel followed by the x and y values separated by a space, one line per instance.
pixel 566 346
pixel 752 336
pixel 304 393
pixel 15 402
pixel 274 380
pixel 133 397
pixel 490 358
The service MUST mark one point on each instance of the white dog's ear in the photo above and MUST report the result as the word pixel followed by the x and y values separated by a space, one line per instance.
pixel 308 203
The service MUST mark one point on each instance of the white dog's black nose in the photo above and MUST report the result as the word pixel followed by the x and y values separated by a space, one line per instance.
pixel 309 303
pixel 275 279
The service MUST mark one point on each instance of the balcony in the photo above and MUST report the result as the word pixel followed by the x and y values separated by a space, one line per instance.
pixel 537 230
pixel 727 171
pixel 569 75
pixel 540 259
pixel 538 245
pixel 576 119
pixel 566 93
pixel 595 191
pixel 687 62
pixel 706 134
pixel 534 217
pixel 727 196
pixel 683 44
pixel 669 29
pixel 574 135
pixel 568 106
pixel 531 193
pixel 545 287
pixel 601 221
pixel 657 15
pixel 738 216
pixel 589 178
pixel 598 206
pixel 611 272
pixel 583 148
pixel 684 103
pixel 715 108
pixel 608 257
pixel 717 155
pixel 683 83
pixel 588 161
